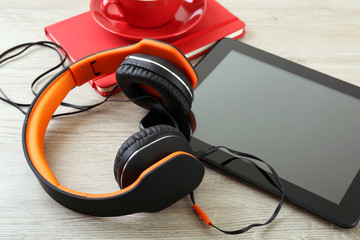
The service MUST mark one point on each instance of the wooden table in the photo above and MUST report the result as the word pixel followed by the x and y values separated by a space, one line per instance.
pixel 324 35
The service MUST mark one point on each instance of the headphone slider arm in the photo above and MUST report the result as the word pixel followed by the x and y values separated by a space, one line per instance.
pixel 86 69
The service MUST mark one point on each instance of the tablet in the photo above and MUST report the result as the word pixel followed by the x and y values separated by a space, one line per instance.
pixel 302 122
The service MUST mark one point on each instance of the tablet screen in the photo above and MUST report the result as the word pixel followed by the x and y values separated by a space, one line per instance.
pixel 308 132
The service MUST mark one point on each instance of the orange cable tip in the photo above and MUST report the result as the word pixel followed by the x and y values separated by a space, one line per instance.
pixel 202 214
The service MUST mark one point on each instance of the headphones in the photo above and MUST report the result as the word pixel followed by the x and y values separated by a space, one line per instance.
pixel 156 166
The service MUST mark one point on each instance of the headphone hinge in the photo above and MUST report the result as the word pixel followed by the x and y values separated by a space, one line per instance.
pixel 86 69
pixel 95 68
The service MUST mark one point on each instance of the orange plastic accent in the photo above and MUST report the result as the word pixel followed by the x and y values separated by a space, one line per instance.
pixel 107 62
pixel 202 215
pixel 39 120
pixel 65 189
pixel 83 70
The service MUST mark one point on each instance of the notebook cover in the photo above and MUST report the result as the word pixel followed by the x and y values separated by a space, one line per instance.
pixel 80 41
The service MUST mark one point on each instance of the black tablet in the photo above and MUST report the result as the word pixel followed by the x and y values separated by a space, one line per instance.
pixel 304 123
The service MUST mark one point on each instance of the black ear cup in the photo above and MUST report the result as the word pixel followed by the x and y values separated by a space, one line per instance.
pixel 145 148
pixel 159 75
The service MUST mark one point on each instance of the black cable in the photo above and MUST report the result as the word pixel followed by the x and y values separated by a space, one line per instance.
pixel 7 100
pixel 86 108
pixel 24 47
pixel 277 184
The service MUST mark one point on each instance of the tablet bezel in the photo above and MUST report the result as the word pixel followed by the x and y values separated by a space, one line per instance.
pixel 347 213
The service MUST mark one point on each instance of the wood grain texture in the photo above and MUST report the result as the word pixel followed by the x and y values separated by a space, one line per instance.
pixel 323 35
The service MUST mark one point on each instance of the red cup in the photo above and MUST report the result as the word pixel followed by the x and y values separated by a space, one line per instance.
pixel 141 13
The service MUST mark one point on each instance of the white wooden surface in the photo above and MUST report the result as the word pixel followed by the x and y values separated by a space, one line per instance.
pixel 324 35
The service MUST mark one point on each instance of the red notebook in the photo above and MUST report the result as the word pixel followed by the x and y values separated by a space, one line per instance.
pixel 81 36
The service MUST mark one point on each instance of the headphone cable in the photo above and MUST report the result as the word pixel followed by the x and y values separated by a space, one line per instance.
pixel 251 159
pixel 5 57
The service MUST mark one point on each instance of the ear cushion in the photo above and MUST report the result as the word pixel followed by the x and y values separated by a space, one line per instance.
pixel 159 74
pixel 145 148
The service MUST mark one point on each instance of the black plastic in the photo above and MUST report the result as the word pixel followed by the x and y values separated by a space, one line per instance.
pixel 159 189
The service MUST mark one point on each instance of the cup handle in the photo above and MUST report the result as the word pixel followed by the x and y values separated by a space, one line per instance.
pixel 119 16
